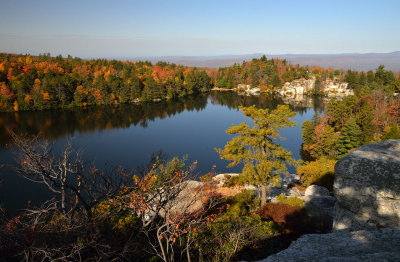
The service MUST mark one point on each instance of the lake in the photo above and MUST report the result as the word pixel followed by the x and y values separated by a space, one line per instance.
pixel 128 134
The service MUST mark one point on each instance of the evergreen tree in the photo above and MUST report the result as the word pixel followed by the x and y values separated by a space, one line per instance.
pixel 316 119
pixel 170 88
pixel 275 81
pixel 135 88
pixel 364 120
pixel 340 111
pixel 327 144
pixel 104 89
pixel 149 90
pixel 384 77
pixel 370 77
pixel 352 78
pixel 203 81
pixel 256 148
pixel 350 137
pixel 363 79
pixel 222 83
pixel 307 129
pixel 159 91
pixel 317 87
pixel 392 133
pixel 124 92
pixel 190 82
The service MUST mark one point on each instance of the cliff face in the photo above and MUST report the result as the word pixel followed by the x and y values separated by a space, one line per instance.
pixel 367 211
pixel 298 87
pixel 331 87
pixel 335 87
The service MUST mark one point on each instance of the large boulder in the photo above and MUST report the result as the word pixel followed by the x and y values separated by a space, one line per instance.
pixel 320 209
pixel 381 244
pixel 367 187
pixel 315 190
pixel 319 206
pixel 367 191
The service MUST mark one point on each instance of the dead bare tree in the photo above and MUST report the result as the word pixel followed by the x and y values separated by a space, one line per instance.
pixel 45 234
pixel 66 174
pixel 166 204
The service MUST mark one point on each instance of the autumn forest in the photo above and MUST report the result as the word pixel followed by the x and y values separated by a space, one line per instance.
pixel 165 210
pixel 44 82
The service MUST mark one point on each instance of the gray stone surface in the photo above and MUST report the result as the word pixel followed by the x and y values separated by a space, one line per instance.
pixel 315 190
pixel 366 245
pixel 367 191
pixel 320 209
pixel 367 187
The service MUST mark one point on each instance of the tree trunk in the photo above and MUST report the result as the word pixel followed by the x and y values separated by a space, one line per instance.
pixel 63 197
pixel 187 248
pixel 263 194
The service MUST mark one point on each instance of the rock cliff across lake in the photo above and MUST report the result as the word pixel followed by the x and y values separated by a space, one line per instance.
pixel 298 87
pixel 330 87
pixel 247 90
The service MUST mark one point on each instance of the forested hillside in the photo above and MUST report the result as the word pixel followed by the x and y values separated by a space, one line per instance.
pixel 44 82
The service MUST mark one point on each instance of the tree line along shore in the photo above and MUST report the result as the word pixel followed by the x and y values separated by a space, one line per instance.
pixel 45 82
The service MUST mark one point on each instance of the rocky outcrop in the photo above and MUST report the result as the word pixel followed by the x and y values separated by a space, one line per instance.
pixel 315 190
pixel 319 204
pixel 367 210
pixel 247 90
pixel 298 87
pixel 367 187
pixel 335 87
pixel 330 87
pixel 366 245
pixel 222 179
pixel 284 187
pixel 320 210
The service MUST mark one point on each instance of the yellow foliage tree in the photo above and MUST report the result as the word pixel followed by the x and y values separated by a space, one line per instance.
pixel 16 106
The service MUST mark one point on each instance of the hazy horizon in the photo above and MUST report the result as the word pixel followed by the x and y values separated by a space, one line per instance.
pixel 207 28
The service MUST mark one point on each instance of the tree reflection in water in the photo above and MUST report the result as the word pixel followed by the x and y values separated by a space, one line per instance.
pixel 57 123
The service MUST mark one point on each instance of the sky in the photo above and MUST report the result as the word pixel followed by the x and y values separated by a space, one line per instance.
pixel 120 28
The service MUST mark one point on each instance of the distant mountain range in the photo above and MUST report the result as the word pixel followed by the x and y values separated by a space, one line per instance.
pixel 355 61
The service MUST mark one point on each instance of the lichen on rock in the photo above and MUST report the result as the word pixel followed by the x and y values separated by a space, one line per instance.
pixel 367 187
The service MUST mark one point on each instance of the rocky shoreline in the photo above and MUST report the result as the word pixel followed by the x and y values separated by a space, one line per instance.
pixel 300 87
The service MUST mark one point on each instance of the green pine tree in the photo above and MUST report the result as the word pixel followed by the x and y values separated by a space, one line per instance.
pixel 327 144
pixel 350 137
pixel 392 133
pixel 364 120
pixel 256 148
pixel 307 129
pixel 135 88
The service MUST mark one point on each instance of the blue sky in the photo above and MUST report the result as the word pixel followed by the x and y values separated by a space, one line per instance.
pixel 167 27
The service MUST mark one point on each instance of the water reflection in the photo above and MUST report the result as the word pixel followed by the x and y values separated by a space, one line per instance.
pixel 58 123
pixel 128 134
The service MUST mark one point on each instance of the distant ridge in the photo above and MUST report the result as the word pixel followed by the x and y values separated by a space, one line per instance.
pixel 355 61
pixel 200 61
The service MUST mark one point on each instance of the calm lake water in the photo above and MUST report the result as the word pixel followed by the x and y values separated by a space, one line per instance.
pixel 128 134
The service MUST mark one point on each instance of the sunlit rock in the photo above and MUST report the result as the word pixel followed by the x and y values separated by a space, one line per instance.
pixel 367 187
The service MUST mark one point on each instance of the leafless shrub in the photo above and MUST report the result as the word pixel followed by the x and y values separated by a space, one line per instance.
pixel 68 175
pixel 107 217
